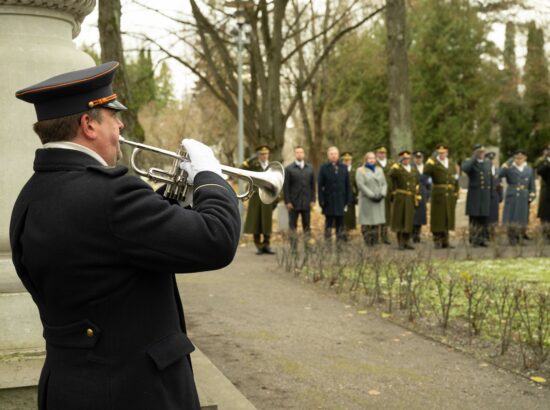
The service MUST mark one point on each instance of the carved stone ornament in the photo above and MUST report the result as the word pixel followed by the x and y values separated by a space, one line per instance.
pixel 77 9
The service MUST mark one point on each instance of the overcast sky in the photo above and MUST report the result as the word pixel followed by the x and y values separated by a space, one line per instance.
pixel 136 19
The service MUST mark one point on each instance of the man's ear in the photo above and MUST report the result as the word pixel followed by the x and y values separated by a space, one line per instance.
pixel 88 127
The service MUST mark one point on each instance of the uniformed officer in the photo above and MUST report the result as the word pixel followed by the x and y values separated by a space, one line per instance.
pixel 259 215
pixel 385 163
pixel 350 219
pixel 97 250
pixel 496 195
pixel 425 182
pixel 478 200
pixel 444 174
pixel 520 192
pixel 406 195
pixel 334 193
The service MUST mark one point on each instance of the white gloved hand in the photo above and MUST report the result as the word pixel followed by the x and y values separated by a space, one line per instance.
pixel 201 158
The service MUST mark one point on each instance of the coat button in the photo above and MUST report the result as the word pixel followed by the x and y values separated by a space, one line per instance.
pixel 90 332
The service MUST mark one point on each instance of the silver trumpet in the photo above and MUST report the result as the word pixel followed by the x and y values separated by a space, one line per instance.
pixel 268 182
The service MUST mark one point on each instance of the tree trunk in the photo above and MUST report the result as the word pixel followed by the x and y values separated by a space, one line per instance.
pixel 398 71
pixel 111 50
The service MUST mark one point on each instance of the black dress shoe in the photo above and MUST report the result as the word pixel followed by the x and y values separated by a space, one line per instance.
pixel 260 252
pixel 409 247
pixel 386 242
pixel 268 250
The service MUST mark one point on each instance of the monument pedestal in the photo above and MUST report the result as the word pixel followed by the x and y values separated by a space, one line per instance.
pixel 36 43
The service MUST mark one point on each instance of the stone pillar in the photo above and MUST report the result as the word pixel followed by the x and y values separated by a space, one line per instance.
pixel 35 43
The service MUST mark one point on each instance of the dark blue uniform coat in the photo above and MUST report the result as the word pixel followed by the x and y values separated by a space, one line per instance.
pixel 425 183
pixel 334 188
pixel 478 200
pixel 519 192
pixel 97 250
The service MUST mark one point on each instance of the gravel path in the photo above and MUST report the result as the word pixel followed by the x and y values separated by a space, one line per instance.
pixel 287 344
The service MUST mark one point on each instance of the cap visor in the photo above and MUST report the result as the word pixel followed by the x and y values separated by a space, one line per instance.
pixel 115 105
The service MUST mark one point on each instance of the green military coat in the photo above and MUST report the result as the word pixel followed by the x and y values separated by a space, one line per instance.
pixel 388 198
pixel 405 188
pixel 350 220
pixel 445 191
pixel 259 215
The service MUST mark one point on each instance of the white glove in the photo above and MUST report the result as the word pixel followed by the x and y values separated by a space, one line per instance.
pixel 201 158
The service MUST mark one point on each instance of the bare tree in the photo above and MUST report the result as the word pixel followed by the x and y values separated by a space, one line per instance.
pixel 271 50
pixel 112 50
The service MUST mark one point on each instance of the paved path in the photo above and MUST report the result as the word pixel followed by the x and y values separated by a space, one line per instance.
pixel 287 344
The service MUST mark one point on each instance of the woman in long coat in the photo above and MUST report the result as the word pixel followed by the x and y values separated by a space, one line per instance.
pixel 520 192
pixel 372 187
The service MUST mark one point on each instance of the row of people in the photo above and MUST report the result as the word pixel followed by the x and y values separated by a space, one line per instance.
pixel 394 195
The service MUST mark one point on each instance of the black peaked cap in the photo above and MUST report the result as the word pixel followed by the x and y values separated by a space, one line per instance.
pixel 73 92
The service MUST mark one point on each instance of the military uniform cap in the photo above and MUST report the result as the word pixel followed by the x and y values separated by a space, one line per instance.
pixel 441 147
pixel 479 147
pixel 346 155
pixel 381 148
pixel 405 154
pixel 520 152
pixel 263 149
pixel 490 155
pixel 73 92
pixel 418 154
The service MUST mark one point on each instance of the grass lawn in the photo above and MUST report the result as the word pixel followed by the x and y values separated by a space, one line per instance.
pixel 522 269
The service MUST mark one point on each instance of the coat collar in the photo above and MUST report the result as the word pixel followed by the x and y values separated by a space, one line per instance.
pixel 57 159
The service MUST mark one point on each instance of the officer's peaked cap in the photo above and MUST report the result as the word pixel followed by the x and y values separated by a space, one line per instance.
pixel 73 92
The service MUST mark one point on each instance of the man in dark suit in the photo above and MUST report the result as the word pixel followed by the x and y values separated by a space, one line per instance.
pixel 334 193
pixel 97 250
pixel 299 193
pixel 478 200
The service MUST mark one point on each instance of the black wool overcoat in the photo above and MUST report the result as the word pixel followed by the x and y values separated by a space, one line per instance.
pixel 544 209
pixel 334 188
pixel 97 250
pixel 299 187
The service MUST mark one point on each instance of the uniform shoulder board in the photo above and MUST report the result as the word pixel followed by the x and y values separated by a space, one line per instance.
pixel 110 171
pixel 505 165
pixel 395 166
pixel 430 161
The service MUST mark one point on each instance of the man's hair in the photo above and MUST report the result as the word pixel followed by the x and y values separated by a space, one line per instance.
pixel 63 128
pixel 333 148
pixel 298 147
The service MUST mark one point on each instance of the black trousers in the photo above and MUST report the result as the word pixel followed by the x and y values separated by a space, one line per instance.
pixel 260 244
pixel 479 229
pixel 293 215
pixel 336 221
pixel 416 233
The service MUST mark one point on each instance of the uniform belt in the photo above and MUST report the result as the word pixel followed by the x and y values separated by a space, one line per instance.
pixel 446 186
pixel 518 187
pixel 83 334
pixel 404 192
